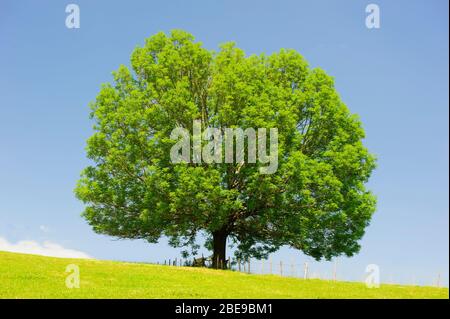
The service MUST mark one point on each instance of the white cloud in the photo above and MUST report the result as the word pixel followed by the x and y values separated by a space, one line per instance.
pixel 47 248
pixel 44 228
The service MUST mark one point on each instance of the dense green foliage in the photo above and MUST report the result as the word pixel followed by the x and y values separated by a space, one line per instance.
pixel 28 276
pixel 316 201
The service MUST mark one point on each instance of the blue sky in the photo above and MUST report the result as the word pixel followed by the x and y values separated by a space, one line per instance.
pixel 395 78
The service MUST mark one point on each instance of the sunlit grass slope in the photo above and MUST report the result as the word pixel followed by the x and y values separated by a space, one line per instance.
pixel 30 276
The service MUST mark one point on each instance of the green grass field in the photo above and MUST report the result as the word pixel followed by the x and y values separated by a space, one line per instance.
pixel 30 276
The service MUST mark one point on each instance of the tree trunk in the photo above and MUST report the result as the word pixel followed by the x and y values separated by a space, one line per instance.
pixel 219 250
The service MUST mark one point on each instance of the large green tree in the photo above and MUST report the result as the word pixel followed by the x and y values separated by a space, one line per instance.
pixel 316 201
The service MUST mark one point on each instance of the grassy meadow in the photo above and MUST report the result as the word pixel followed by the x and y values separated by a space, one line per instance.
pixel 31 276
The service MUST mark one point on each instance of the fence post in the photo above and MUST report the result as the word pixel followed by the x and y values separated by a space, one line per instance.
pixel 281 268
pixel 305 272
pixel 335 270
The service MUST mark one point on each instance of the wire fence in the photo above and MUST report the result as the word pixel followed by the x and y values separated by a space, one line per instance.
pixel 303 270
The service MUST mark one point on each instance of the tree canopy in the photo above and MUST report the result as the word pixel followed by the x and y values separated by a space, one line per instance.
pixel 316 201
